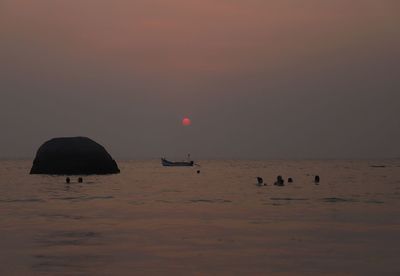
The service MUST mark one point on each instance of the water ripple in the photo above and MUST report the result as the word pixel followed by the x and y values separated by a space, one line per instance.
pixel 82 198
pixel 22 200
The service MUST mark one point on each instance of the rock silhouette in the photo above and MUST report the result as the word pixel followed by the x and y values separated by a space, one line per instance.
pixel 73 155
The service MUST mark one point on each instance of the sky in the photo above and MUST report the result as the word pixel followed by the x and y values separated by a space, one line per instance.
pixel 259 79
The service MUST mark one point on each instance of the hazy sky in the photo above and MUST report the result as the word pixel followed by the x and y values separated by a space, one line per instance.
pixel 258 78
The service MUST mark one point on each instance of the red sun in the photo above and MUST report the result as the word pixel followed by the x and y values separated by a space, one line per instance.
pixel 186 121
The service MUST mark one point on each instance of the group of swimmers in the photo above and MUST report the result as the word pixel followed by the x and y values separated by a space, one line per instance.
pixel 68 180
pixel 280 182
pixel 260 181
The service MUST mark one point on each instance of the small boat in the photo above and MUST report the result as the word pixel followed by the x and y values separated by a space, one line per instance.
pixel 167 163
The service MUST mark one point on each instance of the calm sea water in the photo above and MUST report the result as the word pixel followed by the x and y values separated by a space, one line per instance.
pixel 152 220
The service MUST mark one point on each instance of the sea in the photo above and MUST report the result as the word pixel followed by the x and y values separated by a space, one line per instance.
pixel 211 219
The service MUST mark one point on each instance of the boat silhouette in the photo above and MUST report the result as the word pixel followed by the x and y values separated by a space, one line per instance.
pixel 168 163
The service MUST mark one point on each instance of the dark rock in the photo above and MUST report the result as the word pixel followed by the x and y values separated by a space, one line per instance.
pixel 73 155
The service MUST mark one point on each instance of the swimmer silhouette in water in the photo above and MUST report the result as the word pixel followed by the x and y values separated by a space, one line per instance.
pixel 279 181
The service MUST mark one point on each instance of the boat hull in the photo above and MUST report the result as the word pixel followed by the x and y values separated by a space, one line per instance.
pixel 167 163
